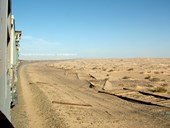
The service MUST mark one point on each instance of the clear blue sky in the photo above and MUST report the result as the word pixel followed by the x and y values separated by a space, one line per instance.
pixel 94 28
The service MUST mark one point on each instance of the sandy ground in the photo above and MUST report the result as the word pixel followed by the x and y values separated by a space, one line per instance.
pixel 61 94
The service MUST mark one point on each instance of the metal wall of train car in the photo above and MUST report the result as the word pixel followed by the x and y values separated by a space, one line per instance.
pixel 5 29
pixel 14 44
pixel 11 70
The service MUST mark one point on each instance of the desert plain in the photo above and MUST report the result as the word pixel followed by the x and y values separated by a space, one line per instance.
pixel 93 93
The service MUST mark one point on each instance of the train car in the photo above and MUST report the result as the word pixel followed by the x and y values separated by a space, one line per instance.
pixel 14 54
pixel 9 48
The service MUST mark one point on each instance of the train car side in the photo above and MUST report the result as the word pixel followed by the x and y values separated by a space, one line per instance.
pixel 9 43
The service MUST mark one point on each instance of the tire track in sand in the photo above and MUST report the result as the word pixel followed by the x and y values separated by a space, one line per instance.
pixel 35 120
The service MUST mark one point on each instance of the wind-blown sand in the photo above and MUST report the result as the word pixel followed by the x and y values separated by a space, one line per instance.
pixel 65 94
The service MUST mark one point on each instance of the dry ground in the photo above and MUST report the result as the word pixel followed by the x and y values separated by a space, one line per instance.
pixel 61 94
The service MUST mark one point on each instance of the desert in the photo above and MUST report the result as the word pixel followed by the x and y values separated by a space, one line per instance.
pixel 93 93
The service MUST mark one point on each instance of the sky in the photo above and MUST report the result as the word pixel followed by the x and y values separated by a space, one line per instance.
pixel 53 29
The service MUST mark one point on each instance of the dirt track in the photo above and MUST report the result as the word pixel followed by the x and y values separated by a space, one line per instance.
pixel 51 97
